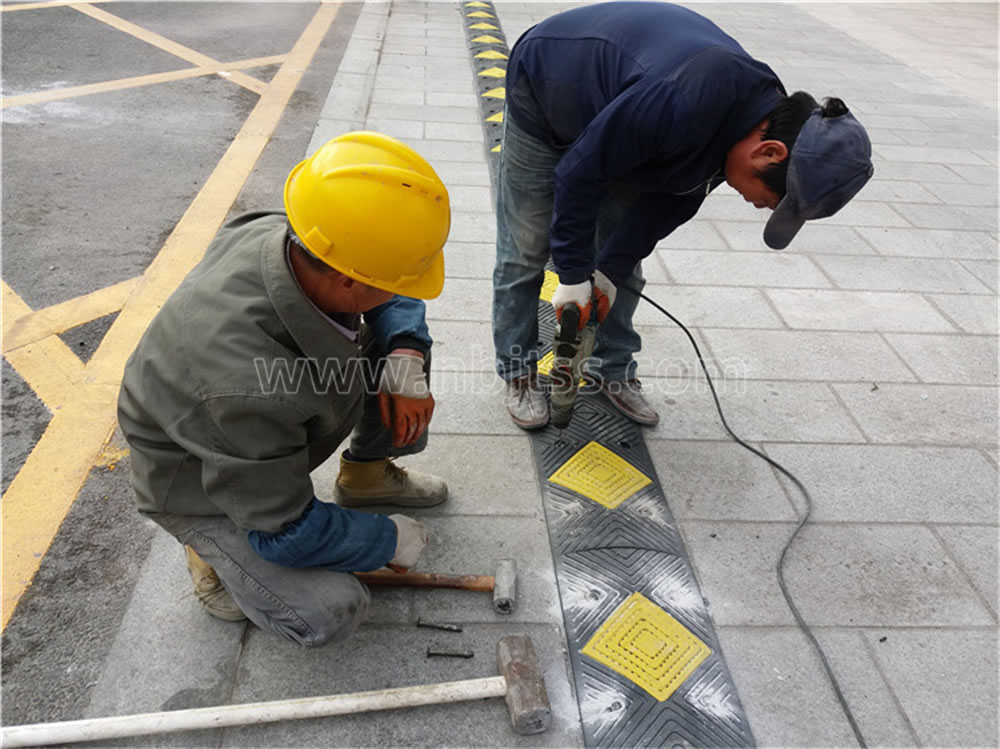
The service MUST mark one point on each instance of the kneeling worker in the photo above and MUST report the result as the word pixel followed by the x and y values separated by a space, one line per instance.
pixel 259 366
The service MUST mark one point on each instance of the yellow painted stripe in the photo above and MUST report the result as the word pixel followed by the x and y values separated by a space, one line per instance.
pixel 48 366
pixel 39 6
pixel 29 327
pixel 484 26
pixel 496 93
pixel 70 92
pixel 487 39
pixel 46 486
pixel 491 54
pixel 498 117
pixel 480 14
pixel 167 45
pixel 493 73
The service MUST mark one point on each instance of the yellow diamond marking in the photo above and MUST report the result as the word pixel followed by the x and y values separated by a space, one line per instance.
pixel 549 286
pixel 599 475
pixel 496 93
pixel 476 4
pixel 483 26
pixel 495 149
pixel 480 14
pixel 493 72
pixel 498 117
pixel 491 54
pixel 487 39
pixel 645 644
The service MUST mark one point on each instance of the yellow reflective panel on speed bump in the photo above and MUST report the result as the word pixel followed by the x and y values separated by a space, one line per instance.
pixel 648 646
pixel 598 474
pixel 549 286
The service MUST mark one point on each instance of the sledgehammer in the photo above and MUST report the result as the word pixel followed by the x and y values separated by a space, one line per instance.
pixel 503 584
pixel 520 683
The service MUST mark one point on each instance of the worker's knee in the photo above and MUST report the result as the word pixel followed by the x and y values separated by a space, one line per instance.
pixel 331 613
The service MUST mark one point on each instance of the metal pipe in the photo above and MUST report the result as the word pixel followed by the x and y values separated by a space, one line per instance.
pixel 96 729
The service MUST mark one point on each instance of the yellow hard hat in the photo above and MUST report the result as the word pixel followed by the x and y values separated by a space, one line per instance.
pixel 372 208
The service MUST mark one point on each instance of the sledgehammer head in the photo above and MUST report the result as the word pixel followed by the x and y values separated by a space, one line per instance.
pixel 505 587
pixel 526 697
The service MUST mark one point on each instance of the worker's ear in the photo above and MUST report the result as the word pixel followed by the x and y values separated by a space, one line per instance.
pixel 768 152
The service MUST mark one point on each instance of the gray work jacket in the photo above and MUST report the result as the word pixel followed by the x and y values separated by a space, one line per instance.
pixel 211 432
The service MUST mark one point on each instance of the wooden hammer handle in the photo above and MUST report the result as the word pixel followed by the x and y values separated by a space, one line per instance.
pixel 478 583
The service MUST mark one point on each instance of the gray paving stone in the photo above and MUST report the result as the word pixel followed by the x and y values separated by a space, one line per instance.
pixel 922 171
pixel 470 199
pixel 931 243
pixel 472 227
pixel 744 269
pixel 274 670
pixel 978 175
pixel 899 192
pixel 329 129
pixel 469 259
pixel 963 360
pixel 839 575
pixel 737 486
pixel 924 414
pixel 900 274
pixel 861 213
pixel 756 410
pixel 725 204
pixel 985 270
pixel 455 131
pixel 452 99
pixel 348 97
pixel 966 194
pixel 734 563
pixel 406 130
pixel 856 310
pixel 427 113
pixel 973 314
pixel 947 217
pixel 707 306
pixel 470 403
pixel 946 682
pixel 461 346
pixel 975 549
pixel 458 173
pixel 462 299
pixel 147 672
pixel 797 355
pixel 888 484
pixel 814 237
pixel 382 95
pixel 694 235
pixel 788 697
pixel 437 151
pixel 934 156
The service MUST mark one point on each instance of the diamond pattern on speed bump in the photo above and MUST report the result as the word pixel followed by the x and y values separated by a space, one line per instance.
pixel 645 644
pixel 598 474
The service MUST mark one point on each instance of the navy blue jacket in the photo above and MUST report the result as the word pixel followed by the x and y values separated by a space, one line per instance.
pixel 651 94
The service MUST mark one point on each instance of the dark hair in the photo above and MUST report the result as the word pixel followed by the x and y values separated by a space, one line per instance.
pixel 784 123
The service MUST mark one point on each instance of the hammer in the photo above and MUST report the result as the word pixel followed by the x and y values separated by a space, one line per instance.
pixel 520 683
pixel 503 583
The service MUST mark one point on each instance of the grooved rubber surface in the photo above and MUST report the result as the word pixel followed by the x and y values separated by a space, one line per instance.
pixel 646 662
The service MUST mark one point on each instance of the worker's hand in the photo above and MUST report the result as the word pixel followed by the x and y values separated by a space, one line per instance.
pixel 404 399
pixel 605 293
pixel 579 294
pixel 411 538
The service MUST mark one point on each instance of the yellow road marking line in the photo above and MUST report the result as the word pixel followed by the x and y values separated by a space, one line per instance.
pixel 48 366
pixel 28 327
pixel 40 6
pixel 167 45
pixel 50 479
pixel 70 92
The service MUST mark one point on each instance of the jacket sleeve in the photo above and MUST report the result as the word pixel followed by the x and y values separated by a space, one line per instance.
pixel 644 123
pixel 400 323
pixel 329 536
pixel 650 219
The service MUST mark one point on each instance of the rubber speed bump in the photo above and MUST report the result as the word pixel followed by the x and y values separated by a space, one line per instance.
pixel 599 475
pixel 648 646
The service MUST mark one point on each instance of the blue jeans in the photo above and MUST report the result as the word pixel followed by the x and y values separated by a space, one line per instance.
pixel 525 192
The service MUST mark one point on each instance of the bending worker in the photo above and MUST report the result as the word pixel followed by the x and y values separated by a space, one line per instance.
pixel 258 367
pixel 620 119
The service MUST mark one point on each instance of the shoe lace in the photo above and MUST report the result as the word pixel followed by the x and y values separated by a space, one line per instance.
pixel 395 472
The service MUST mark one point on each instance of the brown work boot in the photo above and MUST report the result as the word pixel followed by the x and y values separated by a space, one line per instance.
pixel 382 482
pixel 525 401
pixel 211 593
pixel 627 397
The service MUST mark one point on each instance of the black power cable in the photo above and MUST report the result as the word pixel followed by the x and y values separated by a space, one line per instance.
pixel 781 560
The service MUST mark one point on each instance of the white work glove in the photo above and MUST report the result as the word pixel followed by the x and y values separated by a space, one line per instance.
pixel 583 295
pixel 411 538
pixel 404 399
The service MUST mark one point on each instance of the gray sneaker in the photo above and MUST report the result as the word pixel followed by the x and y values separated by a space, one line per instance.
pixel 627 397
pixel 526 402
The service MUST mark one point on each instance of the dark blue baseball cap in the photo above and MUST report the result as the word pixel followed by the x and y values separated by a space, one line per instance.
pixel 830 162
